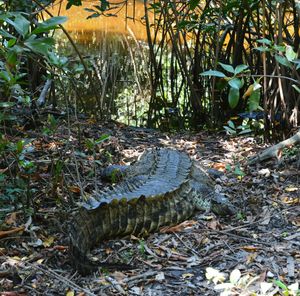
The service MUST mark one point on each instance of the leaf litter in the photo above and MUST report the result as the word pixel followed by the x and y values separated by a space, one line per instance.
pixel 257 247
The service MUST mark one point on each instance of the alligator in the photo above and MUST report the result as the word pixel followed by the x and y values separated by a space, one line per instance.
pixel 163 188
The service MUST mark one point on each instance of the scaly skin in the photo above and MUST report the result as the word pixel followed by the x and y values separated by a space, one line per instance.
pixel 162 189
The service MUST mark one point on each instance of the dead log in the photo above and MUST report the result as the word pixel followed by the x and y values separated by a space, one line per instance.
pixel 275 151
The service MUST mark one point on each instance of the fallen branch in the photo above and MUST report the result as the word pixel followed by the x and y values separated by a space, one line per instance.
pixel 275 151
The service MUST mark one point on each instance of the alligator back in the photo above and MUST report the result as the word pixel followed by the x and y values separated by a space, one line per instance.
pixel 156 192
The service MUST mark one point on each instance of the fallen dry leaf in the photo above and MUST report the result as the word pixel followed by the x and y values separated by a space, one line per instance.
pixel 48 241
pixel 250 248
pixel 160 277
pixel 290 200
pixel 214 225
pixel 219 166
pixel 60 248
pixel 11 219
pixel 12 231
pixel 251 257
pixel 108 251
pixel 134 238
pixel 74 189
pixel 119 276
pixel 291 189
pixel 178 228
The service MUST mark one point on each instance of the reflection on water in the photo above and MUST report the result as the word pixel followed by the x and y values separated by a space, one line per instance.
pixel 78 22
pixel 117 55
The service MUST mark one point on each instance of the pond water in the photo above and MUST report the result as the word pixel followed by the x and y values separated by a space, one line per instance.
pixel 116 50
pixel 90 31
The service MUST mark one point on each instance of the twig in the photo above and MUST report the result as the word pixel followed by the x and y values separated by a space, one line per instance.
pixel 140 276
pixel 191 249
pixel 276 76
pixel 245 225
pixel 116 285
pixel 242 237
pixel 62 279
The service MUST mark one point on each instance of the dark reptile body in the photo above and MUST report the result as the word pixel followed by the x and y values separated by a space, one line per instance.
pixel 158 190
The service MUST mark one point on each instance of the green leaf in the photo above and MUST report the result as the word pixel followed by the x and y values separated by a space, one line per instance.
pixel 283 61
pixel 52 122
pixel 89 10
pixel 253 102
pixel 297 62
pixel 221 84
pixel 236 83
pixel 94 15
pixel 193 4
pixel 26 164
pixel 2 178
pixel 290 54
pixel 40 45
pixel 12 58
pixel 6 34
pixel 90 144
pixel 19 146
pixel 102 138
pixel 50 24
pixel 7 104
pixel 245 131
pixel 57 60
pixel 4 16
pixel 104 5
pixel 6 76
pixel 264 41
pixel 296 88
pixel 280 285
pixel 228 167
pixel 231 124
pixel 17 49
pixel 233 97
pixel 239 69
pixel 229 130
pixel 262 48
pixel 226 67
pixel 21 24
pixel 213 73
pixel 280 48
pixel 73 2
pixel 183 24
pixel 11 42
pixel 238 171
pixel 54 21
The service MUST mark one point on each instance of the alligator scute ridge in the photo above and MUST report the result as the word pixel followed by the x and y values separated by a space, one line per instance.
pixel 163 188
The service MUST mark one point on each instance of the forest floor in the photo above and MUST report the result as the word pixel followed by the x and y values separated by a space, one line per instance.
pixel 260 245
